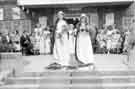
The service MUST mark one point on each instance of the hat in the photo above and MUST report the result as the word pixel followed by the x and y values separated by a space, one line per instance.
pixel 61 12
pixel 83 15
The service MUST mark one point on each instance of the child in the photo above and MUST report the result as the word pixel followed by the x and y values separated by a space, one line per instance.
pixel 47 39
pixel 116 42
pixel 101 40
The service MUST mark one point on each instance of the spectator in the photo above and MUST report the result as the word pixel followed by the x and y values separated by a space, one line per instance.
pixel 116 42
pixel 33 41
pixel 17 41
pixel 101 40
pixel 25 43
pixel 109 38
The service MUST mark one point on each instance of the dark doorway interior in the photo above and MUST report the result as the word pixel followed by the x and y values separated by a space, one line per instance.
pixel 73 21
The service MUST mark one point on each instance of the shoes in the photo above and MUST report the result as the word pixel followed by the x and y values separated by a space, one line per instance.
pixel 54 66
pixel 92 67
pixel 71 67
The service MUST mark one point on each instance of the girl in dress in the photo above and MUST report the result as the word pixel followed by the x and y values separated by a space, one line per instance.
pixel 116 42
pixel 17 41
pixel 47 36
pixel 71 38
pixel 101 40
pixel 83 49
pixel 109 38
pixel 42 43
pixel 37 31
pixel 71 42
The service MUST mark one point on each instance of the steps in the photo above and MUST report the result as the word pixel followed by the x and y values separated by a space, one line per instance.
pixel 10 55
pixel 72 80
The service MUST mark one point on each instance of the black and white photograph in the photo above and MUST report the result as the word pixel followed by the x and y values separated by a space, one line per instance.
pixel 67 44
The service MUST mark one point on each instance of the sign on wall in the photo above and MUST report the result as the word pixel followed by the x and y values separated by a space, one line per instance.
pixel 42 21
pixel 1 14
pixel 109 19
pixel 126 22
pixel 16 13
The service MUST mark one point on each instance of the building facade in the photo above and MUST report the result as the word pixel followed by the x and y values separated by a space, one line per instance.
pixel 12 17
pixel 23 14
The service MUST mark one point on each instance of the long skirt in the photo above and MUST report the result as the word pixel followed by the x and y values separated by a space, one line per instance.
pixel 84 51
pixel 47 45
pixel 71 42
pixel 42 45
pixel 61 53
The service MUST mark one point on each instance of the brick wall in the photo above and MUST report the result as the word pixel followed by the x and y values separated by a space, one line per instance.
pixel 8 23
pixel 130 11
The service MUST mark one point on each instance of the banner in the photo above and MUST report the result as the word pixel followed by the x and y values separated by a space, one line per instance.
pixel 16 13
pixel 43 21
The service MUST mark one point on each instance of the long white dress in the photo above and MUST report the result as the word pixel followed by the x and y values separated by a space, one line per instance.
pixel 71 42
pixel 61 53
pixel 84 50
pixel 42 44
pixel 38 32
pixel 47 41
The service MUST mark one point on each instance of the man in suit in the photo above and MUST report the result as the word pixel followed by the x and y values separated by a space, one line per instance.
pixel 26 44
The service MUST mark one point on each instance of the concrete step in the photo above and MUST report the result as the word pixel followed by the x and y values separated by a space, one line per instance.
pixel 70 79
pixel 38 80
pixel 10 55
pixel 75 73
pixel 103 73
pixel 73 86
pixel 46 73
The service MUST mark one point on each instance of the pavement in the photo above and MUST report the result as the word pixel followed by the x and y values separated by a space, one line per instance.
pixel 103 62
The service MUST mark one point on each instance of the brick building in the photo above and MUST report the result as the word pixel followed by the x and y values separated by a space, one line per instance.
pixel 24 14
pixel 11 19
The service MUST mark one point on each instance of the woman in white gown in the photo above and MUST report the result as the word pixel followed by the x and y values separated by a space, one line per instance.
pixel 83 49
pixel 47 40
pixel 61 53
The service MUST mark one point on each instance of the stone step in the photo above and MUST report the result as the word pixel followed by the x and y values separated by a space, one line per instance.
pixel 75 73
pixel 10 55
pixel 103 73
pixel 46 73
pixel 68 80
pixel 73 86
pixel 38 80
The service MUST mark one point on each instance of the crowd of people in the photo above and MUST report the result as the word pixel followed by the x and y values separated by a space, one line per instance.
pixel 10 41
pixel 109 39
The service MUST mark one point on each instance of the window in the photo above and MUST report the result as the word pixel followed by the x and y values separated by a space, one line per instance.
pixel 109 18
pixel 126 22
pixel 16 13
pixel 1 14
